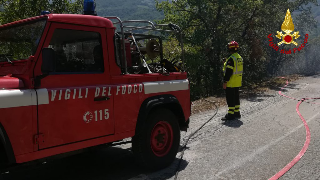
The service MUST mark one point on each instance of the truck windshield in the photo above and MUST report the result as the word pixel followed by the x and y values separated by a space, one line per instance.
pixel 20 41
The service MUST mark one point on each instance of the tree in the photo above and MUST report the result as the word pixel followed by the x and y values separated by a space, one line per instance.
pixel 13 10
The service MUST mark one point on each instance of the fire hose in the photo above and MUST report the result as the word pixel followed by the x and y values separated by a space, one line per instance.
pixel 308 136
pixel 186 141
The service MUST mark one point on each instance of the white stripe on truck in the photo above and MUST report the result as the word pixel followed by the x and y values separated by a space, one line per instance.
pixel 43 96
pixel 165 86
pixel 28 97
pixel 19 98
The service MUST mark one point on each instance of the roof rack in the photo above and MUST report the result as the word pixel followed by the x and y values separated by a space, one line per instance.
pixel 150 26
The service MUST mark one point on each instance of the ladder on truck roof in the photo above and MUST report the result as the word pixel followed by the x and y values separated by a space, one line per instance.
pixel 149 27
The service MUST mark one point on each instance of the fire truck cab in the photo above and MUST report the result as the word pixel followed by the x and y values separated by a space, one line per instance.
pixel 69 82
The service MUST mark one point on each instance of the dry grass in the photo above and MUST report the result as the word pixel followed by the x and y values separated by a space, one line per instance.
pixel 205 104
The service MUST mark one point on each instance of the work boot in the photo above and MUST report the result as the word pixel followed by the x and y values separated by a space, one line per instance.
pixel 228 117
pixel 237 115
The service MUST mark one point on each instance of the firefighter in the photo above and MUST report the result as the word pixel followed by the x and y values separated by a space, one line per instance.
pixel 233 68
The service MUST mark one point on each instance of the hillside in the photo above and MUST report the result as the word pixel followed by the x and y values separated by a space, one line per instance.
pixel 129 10
pixel 145 9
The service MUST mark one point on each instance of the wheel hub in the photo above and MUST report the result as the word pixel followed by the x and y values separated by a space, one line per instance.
pixel 161 138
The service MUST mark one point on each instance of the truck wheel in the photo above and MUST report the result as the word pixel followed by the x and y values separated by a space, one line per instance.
pixel 157 140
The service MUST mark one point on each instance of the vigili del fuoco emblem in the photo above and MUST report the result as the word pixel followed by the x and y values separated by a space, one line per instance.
pixel 288 28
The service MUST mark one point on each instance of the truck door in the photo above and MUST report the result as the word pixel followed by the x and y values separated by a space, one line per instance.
pixel 80 98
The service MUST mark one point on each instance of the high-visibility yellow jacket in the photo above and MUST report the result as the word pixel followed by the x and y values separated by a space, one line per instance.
pixel 236 78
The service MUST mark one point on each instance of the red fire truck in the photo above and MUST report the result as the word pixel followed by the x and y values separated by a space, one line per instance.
pixel 69 82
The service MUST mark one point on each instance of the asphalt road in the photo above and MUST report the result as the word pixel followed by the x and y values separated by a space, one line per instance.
pixel 269 135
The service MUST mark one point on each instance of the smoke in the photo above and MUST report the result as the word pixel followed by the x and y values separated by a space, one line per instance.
pixel 306 62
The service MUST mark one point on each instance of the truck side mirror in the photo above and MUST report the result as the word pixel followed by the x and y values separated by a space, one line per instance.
pixel 48 61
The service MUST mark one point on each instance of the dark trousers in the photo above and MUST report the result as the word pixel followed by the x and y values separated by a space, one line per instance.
pixel 233 100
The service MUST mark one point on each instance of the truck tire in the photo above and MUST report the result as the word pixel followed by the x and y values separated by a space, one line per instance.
pixel 2 157
pixel 157 140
